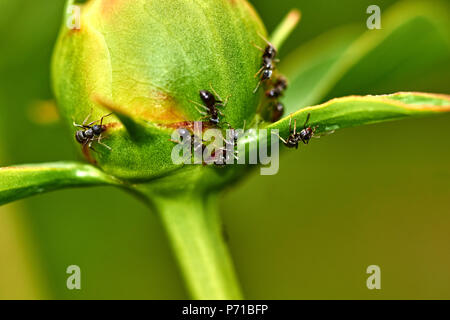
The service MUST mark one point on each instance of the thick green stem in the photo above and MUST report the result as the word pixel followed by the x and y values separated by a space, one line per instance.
pixel 194 229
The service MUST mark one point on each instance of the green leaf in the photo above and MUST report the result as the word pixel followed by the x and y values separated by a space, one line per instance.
pixel 414 37
pixel 360 110
pixel 27 180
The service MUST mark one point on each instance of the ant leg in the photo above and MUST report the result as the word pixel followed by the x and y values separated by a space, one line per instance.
pixel 205 117
pixel 200 111
pixel 85 143
pixel 227 123
pixel 215 93
pixel 200 105
pixel 90 146
pixel 87 118
pixel 307 120
pixel 224 104
pixel 295 126
pixel 257 87
pixel 99 141
pixel 290 124
pixel 257 47
pixel 259 71
pixel 105 145
pixel 221 102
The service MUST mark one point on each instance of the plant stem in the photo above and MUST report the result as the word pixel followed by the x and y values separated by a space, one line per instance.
pixel 285 28
pixel 194 229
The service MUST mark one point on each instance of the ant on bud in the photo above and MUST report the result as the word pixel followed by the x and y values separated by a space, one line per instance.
pixel 195 144
pixel 231 145
pixel 225 157
pixel 277 112
pixel 277 91
pixel 211 101
pixel 91 132
pixel 268 58
pixel 295 137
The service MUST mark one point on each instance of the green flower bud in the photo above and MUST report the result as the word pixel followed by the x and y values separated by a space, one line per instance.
pixel 147 61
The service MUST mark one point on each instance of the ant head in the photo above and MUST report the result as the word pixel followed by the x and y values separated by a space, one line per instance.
pixel 273 93
pixel 270 52
pixel 98 129
pixel 183 132
pixel 282 83
pixel 309 130
pixel 279 107
pixel 214 119
pixel 207 98
pixel 267 74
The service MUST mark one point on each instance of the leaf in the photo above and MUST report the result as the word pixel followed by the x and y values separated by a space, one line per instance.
pixel 27 180
pixel 360 110
pixel 136 128
pixel 414 37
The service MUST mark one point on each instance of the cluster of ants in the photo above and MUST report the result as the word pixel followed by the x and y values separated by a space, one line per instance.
pixel 275 88
pixel 211 112
pixel 90 132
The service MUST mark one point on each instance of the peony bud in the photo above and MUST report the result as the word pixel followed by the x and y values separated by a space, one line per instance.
pixel 147 60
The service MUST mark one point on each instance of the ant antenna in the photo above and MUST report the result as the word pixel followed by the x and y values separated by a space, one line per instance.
pixel 267 41
pixel 284 141
pixel 257 47
pixel 87 118
pixel 259 71
pixel 257 87
pixel 101 120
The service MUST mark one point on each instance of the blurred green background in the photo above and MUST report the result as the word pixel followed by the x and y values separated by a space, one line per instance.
pixel 370 195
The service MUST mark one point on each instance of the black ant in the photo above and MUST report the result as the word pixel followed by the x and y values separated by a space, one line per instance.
pixel 195 144
pixel 226 155
pixel 211 104
pixel 268 58
pixel 91 132
pixel 295 137
pixel 234 135
pixel 278 88
pixel 277 112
